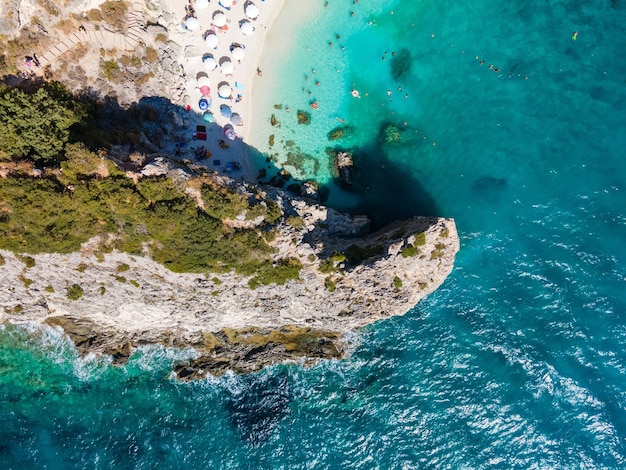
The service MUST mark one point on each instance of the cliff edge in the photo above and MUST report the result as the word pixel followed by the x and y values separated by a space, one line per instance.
pixel 112 302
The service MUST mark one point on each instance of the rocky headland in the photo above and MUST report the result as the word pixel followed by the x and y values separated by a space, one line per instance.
pixel 349 278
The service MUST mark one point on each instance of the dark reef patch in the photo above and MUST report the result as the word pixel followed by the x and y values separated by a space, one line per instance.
pixel 258 406
pixel 489 187
pixel 401 64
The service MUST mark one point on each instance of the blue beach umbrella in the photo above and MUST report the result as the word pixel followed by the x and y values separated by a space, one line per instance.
pixel 208 116
pixel 226 111
pixel 203 104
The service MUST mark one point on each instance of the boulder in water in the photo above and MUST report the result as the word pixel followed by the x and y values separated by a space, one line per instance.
pixel 310 189
pixel 344 165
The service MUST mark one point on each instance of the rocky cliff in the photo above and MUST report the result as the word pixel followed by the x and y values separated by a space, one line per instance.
pixel 114 302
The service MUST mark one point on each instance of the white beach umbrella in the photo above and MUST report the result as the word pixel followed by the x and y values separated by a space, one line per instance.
pixel 237 53
pixel 211 40
pixel 236 119
pixel 202 4
pixel 204 81
pixel 225 90
pixel 219 19
pixel 210 63
pixel 252 11
pixel 226 3
pixel 191 23
pixel 246 27
pixel 227 67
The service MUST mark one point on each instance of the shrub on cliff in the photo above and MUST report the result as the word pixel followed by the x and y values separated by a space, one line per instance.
pixel 278 273
pixel 74 292
pixel 36 125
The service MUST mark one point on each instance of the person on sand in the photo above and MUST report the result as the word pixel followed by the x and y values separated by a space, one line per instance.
pixel 259 72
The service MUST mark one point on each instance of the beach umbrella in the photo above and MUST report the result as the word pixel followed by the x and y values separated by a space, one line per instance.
pixel 225 90
pixel 219 19
pixel 210 63
pixel 203 104
pixel 230 133
pixel 211 40
pixel 252 11
pixel 191 23
pixel 227 67
pixel 205 90
pixel 237 53
pixel 207 116
pixel 226 3
pixel 236 119
pixel 226 111
pixel 202 4
pixel 204 81
pixel 246 27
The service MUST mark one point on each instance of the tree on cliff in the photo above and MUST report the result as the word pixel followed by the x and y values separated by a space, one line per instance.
pixel 36 124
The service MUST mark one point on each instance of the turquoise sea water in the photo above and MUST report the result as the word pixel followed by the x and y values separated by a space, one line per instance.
pixel 518 361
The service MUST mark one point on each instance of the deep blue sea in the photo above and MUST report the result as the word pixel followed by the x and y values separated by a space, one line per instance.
pixel 518 361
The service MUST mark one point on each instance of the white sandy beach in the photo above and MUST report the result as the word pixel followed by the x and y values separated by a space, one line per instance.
pixel 275 31
pixel 241 80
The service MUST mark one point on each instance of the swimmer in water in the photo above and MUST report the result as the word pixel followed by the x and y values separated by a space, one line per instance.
pixel 574 36
pixel 355 93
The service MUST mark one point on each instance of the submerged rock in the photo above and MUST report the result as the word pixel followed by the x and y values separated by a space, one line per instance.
pixel 401 64
pixel 391 134
pixel 339 132
pixel 304 117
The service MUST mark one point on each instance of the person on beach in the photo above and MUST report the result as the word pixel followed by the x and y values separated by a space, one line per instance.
pixel 259 72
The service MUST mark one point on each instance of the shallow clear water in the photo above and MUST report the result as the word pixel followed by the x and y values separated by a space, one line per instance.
pixel 518 361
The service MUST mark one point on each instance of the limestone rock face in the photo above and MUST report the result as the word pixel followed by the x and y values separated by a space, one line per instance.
pixel 349 278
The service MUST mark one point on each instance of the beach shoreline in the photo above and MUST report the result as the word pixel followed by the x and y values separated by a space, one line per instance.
pixel 277 43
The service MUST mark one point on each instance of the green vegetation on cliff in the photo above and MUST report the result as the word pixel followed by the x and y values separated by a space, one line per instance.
pixel 88 196
pixel 41 215
pixel 36 124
